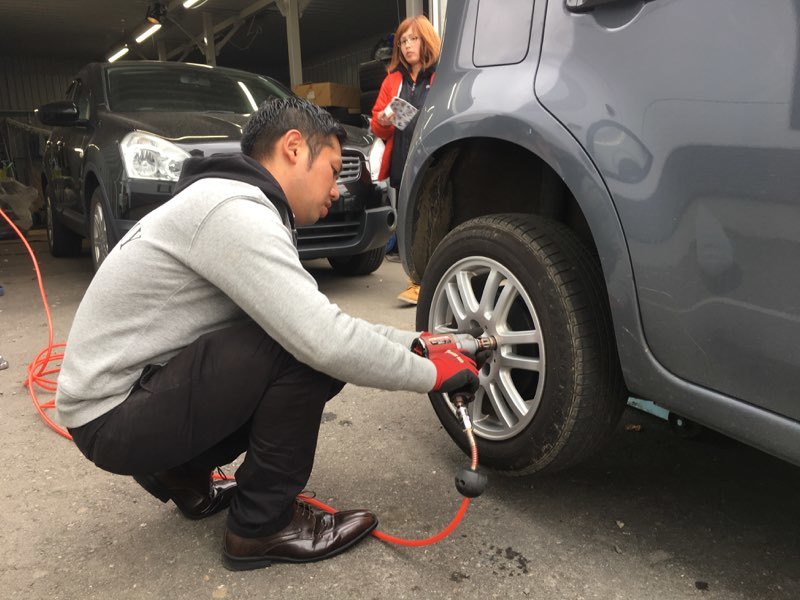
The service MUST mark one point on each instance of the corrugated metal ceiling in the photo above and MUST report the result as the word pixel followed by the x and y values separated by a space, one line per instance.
pixel 91 29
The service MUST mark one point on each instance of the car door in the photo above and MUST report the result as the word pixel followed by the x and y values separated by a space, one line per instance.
pixel 691 112
pixel 73 145
pixel 55 155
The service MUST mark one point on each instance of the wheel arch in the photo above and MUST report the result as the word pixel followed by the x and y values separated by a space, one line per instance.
pixel 94 178
pixel 513 154
pixel 460 177
pixel 90 183
pixel 457 184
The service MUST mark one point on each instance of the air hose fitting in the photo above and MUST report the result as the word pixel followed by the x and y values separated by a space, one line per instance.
pixel 469 481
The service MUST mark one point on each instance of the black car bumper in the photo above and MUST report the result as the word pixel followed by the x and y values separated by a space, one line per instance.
pixel 348 230
pixel 347 234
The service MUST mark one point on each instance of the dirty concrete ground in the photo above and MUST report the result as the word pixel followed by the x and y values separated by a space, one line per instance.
pixel 652 517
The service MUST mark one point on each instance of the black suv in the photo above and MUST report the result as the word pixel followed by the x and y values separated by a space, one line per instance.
pixel 122 134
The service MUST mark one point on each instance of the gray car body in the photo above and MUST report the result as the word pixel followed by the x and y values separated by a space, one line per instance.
pixel 675 127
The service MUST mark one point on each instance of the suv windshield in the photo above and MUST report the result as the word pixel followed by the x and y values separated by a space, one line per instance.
pixel 186 89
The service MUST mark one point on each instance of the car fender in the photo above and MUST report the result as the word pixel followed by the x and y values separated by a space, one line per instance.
pixel 94 169
pixel 547 139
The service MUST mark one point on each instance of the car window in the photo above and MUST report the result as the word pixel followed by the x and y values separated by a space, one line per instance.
pixel 81 97
pixel 70 93
pixel 154 88
pixel 506 20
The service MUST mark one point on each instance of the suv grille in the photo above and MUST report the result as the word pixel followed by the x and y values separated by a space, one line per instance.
pixel 335 229
pixel 351 168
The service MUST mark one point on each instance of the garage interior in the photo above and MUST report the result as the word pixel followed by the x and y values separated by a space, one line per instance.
pixel 43 45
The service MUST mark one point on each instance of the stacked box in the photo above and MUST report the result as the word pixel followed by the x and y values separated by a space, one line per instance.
pixel 330 94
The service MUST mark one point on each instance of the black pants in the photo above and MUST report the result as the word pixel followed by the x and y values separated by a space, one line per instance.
pixel 231 391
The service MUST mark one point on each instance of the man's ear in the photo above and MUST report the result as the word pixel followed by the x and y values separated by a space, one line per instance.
pixel 292 142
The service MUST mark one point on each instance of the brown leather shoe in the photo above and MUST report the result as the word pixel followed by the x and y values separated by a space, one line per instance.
pixel 195 494
pixel 311 535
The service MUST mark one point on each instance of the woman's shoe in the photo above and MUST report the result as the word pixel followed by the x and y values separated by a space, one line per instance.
pixel 411 293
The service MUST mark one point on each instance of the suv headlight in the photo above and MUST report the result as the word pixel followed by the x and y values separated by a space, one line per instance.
pixel 147 156
pixel 375 157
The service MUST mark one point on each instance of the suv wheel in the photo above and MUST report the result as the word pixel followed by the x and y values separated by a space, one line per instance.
pixel 553 390
pixel 99 235
pixel 359 264
pixel 61 241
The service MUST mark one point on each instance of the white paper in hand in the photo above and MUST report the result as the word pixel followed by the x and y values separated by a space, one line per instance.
pixel 403 112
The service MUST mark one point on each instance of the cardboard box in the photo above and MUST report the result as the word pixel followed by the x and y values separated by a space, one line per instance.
pixel 330 94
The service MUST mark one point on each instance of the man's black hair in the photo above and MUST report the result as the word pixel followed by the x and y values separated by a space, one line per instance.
pixel 276 116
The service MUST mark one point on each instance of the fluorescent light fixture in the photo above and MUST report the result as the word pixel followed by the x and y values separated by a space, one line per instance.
pixel 190 3
pixel 118 54
pixel 148 32
pixel 249 96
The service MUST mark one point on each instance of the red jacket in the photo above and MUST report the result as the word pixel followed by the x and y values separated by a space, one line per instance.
pixel 389 89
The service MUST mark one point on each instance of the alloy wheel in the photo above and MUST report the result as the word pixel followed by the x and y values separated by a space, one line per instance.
pixel 478 295
pixel 99 235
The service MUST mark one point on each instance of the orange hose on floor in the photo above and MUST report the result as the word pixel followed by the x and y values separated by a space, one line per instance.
pixel 39 375
pixel 38 370
pixel 402 541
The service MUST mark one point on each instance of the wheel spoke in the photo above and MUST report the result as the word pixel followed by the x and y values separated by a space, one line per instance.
pixel 513 338
pixel 504 303
pixel 456 306
pixel 517 361
pixel 515 401
pixel 476 412
pixel 487 304
pixel 464 281
pixel 444 329
pixel 495 395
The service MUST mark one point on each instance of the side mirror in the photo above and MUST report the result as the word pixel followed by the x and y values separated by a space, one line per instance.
pixel 60 114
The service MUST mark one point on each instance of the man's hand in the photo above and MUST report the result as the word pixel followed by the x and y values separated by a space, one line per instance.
pixel 455 372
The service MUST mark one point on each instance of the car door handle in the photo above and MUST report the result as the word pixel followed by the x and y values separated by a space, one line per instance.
pixel 582 6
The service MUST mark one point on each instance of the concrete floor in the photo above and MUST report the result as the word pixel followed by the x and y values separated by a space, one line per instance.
pixel 653 516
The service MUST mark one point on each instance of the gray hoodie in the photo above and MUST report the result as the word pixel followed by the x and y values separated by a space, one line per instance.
pixel 219 252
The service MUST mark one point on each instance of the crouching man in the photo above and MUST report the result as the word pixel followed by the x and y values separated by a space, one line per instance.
pixel 202 337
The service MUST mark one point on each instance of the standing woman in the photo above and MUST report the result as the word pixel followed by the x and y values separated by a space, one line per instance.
pixel 410 74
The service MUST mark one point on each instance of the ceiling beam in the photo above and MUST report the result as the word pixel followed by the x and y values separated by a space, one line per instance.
pixel 208 39
pixel 413 8
pixel 235 21
pixel 234 28
pixel 291 11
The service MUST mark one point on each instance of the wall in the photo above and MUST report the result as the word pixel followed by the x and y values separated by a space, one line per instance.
pixel 340 65
pixel 27 82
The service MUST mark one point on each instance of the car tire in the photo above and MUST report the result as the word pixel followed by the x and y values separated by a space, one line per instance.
pixel 100 232
pixel 61 241
pixel 358 264
pixel 552 392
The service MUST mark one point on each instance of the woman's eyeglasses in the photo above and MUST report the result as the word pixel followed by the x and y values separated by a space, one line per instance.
pixel 412 39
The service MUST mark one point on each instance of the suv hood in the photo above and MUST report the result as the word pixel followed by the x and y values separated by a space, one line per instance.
pixel 188 129
pixel 184 127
